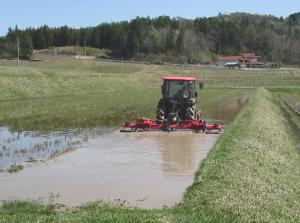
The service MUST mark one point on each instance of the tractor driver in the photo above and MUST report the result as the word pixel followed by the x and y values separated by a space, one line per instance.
pixel 184 92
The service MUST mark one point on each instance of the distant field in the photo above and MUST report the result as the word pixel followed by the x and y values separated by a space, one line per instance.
pixel 67 92
pixel 65 64
pixel 72 51
pixel 213 77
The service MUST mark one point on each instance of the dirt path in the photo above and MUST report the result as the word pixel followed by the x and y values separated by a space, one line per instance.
pixel 145 169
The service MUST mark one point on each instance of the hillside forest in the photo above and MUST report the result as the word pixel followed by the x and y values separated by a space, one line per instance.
pixel 176 40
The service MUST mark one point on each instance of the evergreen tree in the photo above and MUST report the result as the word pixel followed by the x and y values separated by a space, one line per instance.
pixel 26 47
pixel 48 35
pixel 39 40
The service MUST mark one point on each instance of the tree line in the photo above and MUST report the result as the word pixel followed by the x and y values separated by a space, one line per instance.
pixel 172 39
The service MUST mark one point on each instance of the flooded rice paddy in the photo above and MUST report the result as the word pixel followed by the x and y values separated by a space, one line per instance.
pixel 33 146
pixel 144 169
pixel 75 166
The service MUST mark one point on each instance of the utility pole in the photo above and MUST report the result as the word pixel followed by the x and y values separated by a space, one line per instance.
pixel 84 47
pixel 18 52
pixel 219 53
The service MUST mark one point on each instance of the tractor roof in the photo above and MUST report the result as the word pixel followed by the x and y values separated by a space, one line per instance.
pixel 175 78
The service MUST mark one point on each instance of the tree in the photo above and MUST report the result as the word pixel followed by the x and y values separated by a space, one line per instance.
pixel 48 35
pixel 202 24
pixel 96 37
pixel 151 41
pixel 171 40
pixel 162 21
pixel 26 47
pixel 39 40
pixel 180 42
pixel 119 38
pixel 7 48
pixel 135 34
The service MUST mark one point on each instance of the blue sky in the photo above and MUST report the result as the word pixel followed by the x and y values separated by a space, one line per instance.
pixel 77 13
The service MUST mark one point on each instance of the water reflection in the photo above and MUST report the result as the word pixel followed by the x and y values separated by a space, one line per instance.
pixel 177 153
pixel 229 108
pixel 32 146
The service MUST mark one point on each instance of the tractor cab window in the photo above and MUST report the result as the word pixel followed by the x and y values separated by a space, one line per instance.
pixel 179 89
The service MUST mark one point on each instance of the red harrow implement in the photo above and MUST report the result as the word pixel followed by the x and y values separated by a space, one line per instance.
pixel 196 126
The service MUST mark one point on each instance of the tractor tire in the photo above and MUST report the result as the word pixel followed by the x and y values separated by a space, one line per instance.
pixel 161 111
pixel 198 115
pixel 191 112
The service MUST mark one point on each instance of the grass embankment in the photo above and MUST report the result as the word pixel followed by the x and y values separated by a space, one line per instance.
pixel 251 175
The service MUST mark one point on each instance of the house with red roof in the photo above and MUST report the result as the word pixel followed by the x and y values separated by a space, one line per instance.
pixel 244 60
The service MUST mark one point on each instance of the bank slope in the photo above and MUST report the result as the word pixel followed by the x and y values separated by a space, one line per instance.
pixel 253 172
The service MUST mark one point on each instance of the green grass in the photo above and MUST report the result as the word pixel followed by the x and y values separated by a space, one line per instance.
pixel 81 111
pixel 67 67
pixel 108 108
pixel 14 168
pixel 25 211
pixel 69 93
pixel 226 78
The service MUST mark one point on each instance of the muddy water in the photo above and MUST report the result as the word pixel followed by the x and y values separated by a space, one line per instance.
pixel 32 146
pixel 145 169
pixel 228 109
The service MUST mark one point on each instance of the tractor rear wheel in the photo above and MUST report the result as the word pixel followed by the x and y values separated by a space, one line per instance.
pixel 191 112
pixel 161 111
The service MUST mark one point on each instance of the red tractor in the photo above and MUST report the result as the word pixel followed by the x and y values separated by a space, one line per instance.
pixel 177 110
pixel 179 99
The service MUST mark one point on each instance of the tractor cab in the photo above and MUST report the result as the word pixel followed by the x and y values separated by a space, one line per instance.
pixel 178 99
pixel 179 88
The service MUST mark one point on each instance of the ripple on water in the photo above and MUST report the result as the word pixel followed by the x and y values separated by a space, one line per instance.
pixel 31 146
